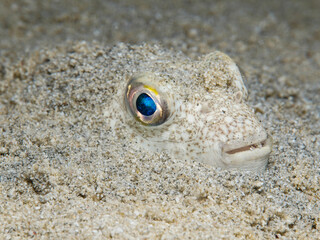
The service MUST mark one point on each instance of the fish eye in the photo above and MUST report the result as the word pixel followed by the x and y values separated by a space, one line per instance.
pixel 145 103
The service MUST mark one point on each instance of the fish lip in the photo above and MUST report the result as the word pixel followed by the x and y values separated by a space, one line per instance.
pixel 266 142
pixel 250 147
pixel 247 157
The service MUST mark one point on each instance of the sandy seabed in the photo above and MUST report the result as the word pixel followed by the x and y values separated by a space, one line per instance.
pixel 61 177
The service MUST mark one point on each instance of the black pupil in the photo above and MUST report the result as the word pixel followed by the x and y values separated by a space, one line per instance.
pixel 145 105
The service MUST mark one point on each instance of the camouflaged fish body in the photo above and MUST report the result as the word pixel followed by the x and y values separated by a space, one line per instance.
pixel 198 108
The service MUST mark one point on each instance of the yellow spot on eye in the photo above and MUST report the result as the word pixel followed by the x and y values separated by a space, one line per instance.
pixel 151 89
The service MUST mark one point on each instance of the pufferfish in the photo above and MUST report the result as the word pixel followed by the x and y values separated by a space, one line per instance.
pixel 192 109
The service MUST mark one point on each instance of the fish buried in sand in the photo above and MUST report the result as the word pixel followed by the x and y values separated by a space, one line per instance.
pixel 195 110
pixel 139 99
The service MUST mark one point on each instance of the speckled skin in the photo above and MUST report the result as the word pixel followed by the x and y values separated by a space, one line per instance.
pixel 209 120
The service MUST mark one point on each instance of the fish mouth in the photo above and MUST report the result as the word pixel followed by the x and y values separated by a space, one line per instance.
pixel 247 147
pixel 251 156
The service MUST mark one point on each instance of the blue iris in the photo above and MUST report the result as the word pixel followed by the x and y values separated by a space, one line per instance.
pixel 146 105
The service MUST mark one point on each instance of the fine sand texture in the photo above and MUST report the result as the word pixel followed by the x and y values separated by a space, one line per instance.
pixel 65 174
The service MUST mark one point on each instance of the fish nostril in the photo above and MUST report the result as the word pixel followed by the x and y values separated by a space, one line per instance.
pixel 238 97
